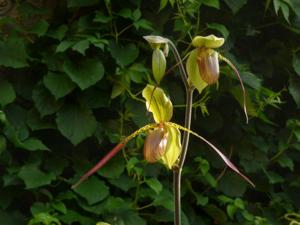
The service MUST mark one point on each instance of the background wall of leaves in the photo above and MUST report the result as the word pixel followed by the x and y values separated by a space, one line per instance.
pixel 70 75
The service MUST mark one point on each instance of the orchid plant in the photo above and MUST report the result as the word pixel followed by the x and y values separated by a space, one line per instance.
pixel 163 141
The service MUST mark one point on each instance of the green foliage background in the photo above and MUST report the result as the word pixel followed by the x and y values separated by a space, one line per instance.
pixel 70 77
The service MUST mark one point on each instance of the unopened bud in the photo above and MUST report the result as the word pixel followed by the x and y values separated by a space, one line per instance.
pixel 158 65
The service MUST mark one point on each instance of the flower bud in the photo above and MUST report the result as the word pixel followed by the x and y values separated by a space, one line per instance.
pixel 208 65
pixel 158 65
pixel 155 145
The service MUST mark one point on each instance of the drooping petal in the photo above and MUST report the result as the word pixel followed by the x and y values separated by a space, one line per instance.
pixel 223 157
pixel 241 82
pixel 112 153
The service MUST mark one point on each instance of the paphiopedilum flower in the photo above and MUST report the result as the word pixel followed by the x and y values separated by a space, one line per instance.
pixel 163 141
pixel 202 65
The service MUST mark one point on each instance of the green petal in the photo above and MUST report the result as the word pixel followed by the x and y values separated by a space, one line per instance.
pixel 210 41
pixel 158 103
pixel 173 148
pixel 193 71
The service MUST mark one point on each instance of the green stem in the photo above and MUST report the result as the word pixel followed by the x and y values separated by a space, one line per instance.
pixel 185 141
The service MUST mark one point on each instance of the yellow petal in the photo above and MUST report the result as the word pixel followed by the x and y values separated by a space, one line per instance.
pixel 173 148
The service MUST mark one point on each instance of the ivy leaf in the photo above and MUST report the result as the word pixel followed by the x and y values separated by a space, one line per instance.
pixel 231 180
pixel 142 23
pixel 81 46
pixel 81 3
pixel 101 17
pixel 40 28
pixel 33 144
pixel 296 64
pixel 219 27
pixel 216 213
pixel 124 55
pixel 234 5
pixel 44 101
pixel 201 199
pixel 72 217
pixel 163 4
pixel 2 144
pixel 76 123
pixel 294 90
pixel 117 90
pixel 130 217
pixel 7 93
pixel 125 13
pixel 34 177
pixel 113 169
pixel 94 98
pixel 212 3
pixel 155 185
pixel 273 177
pixel 13 53
pixel 85 72
pixel 59 32
pixel 93 190
pixel 136 14
pixel 123 183
pixel 35 122
pixel 44 218
pixel 58 84
pixel 231 211
pixel 164 199
pixel 64 45
pixel 252 80
pixel 60 207
pixel 286 162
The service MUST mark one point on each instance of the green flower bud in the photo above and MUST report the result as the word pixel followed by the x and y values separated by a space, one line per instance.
pixel 158 65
